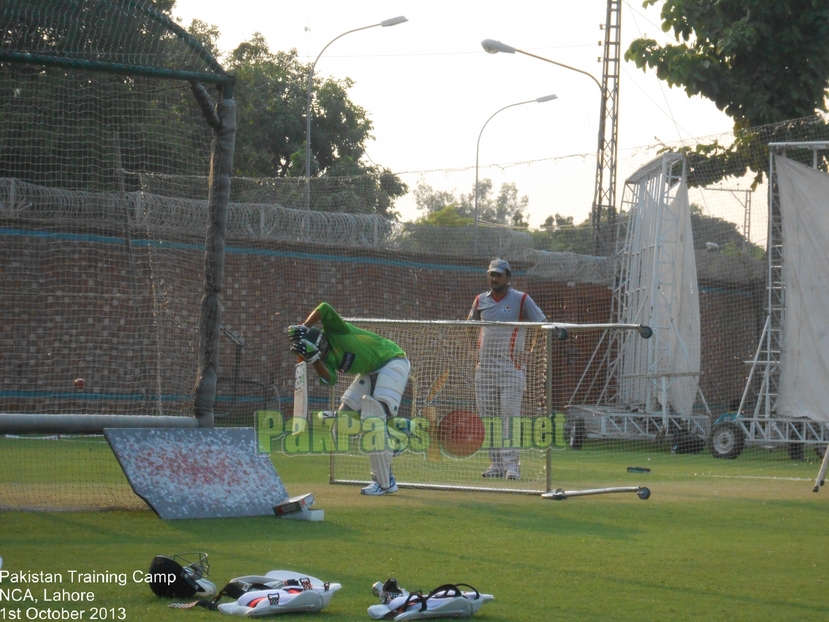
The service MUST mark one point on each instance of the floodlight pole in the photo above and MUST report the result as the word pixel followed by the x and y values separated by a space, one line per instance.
pixel 384 24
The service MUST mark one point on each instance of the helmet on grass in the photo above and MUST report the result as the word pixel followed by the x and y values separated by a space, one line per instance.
pixel 181 576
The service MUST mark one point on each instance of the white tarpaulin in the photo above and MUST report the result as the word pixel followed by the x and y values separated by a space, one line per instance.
pixel 804 364
pixel 684 319
pixel 662 293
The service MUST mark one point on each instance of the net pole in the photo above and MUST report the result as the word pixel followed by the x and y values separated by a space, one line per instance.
pixel 332 472
pixel 221 168
pixel 548 396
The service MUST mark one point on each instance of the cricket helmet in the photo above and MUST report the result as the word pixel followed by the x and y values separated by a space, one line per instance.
pixel 318 338
pixel 181 576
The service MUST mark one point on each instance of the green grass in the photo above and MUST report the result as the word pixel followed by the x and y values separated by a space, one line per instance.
pixel 703 547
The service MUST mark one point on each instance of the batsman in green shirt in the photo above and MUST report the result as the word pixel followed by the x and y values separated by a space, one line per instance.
pixel 382 373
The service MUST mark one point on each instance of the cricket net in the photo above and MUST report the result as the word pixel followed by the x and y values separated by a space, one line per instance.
pixel 442 390
pixel 101 297
pixel 105 197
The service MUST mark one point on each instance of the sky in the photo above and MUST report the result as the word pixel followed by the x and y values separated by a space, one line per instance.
pixel 431 90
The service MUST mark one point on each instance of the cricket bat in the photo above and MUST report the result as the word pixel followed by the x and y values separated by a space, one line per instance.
pixel 300 420
pixel 431 415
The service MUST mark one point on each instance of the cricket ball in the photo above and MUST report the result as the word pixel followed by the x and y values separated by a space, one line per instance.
pixel 461 433
pixel 79 383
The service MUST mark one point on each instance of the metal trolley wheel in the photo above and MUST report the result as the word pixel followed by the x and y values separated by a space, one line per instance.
pixel 727 440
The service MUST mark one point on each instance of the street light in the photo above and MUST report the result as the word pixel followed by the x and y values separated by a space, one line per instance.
pixel 384 24
pixel 491 46
pixel 540 100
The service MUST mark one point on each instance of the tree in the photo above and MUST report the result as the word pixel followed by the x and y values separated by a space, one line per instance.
pixel 507 208
pixel 271 96
pixel 559 234
pixel 761 62
pixel 446 217
pixel 66 126
pixel 207 35
pixel 724 234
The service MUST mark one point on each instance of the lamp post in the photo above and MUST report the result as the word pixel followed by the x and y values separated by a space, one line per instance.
pixel 540 100
pixel 384 24
pixel 492 46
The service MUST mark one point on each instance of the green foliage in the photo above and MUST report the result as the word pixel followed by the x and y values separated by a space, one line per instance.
pixel 271 96
pixel 68 127
pixel 721 232
pixel 559 234
pixel 761 62
pixel 430 200
pixel 712 162
pixel 207 35
pixel 505 208
pixel 446 217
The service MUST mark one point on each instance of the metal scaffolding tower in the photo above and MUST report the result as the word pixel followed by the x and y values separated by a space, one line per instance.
pixel 603 214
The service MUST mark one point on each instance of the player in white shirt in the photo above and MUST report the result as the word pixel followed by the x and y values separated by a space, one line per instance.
pixel 499 377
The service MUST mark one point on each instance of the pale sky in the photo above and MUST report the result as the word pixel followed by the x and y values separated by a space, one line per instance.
pixel 429 87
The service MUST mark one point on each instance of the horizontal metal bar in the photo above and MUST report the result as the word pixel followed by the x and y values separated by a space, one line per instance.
pixel 12 423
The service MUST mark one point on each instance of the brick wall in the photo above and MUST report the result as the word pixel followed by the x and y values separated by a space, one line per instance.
pixel 126 318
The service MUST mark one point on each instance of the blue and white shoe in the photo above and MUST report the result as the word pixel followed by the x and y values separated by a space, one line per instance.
pixel 375 490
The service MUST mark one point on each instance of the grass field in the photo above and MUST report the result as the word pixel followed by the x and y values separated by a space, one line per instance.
pixel 703 547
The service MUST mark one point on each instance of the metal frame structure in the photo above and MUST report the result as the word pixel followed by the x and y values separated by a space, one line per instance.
pixel 604 198
pixel 552 332
pixel 629 366
pixel 763 426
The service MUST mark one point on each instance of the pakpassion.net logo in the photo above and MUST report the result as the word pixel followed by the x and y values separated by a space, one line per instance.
pixel 459 433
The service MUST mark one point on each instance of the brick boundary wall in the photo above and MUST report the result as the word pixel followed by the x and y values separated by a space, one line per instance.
pixel 78 305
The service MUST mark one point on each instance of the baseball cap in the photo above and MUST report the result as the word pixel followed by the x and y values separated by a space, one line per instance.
pixel 499 265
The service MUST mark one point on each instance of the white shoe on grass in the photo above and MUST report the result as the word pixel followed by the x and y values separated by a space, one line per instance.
pixel 493 471
pixel 375 490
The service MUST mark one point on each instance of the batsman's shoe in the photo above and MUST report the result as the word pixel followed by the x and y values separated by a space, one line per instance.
pixel 512 474
pixel 375 490
pixel 493 471
pixel 446 601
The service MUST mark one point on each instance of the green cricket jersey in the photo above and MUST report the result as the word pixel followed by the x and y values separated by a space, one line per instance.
pixel 353 350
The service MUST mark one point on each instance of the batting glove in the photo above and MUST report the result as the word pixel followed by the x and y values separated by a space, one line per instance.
pixel 297 332
pixel 306 350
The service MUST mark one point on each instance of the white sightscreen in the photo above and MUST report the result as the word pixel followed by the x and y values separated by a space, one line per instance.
pixel 684 336
pixel 662 292
pixel 804 374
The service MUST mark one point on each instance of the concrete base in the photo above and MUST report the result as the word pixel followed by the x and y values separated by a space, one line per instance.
pixel 312 515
